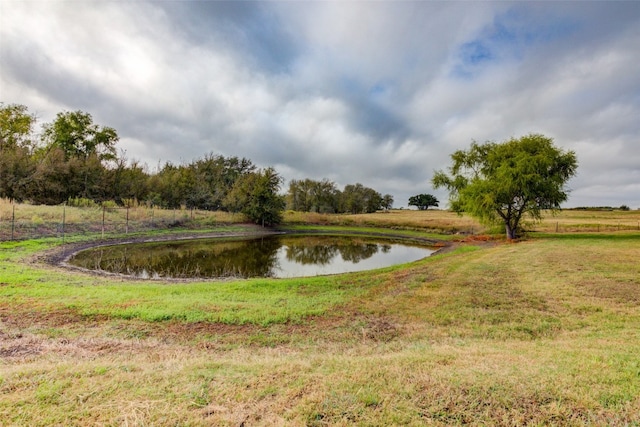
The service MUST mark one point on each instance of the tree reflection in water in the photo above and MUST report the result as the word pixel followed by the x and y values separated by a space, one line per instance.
pixel 322 250
pixel 269 256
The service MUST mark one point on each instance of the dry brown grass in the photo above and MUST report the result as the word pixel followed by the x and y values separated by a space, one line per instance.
pixel 24 221
pixel 447 222
pixel 436 221
pixel 72 214
pixel 572 221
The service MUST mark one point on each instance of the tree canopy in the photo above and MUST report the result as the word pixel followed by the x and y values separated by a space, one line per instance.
pixel 75 158
pixel 499 183
pixel 77 136
pixel 255 194
pixel 423 201
pixel 16 126
pixel 324 197
pixel 16 147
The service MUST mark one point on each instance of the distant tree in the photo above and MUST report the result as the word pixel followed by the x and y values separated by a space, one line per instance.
pixel 372 200
pixel 499 183
pixel 625 208
pixel 313 196
pixel 300 195
pixel 353 198
pixel 423 201
pixel 325 196
pixel 356 199
pixel 387 201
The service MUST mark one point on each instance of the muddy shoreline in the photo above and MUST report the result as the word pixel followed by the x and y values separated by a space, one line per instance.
pixel 58 257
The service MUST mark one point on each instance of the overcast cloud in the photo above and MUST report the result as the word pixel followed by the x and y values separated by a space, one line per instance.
pixel 374 92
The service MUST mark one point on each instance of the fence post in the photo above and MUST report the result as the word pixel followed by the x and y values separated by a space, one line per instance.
pixel 13 220
pixel 557 226
pixel 126 227
pixel 64 214
pixel 103 212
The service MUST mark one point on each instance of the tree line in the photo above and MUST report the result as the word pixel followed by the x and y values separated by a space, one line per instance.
pixel 324 197
pixel 73 157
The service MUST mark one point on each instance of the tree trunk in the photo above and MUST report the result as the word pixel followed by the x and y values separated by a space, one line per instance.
pixel 511 232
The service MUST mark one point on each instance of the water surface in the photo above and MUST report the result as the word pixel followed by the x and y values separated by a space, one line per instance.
pixel 268 256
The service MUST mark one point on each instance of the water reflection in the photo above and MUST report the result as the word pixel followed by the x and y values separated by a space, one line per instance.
pixel 272 256
pixel 321 250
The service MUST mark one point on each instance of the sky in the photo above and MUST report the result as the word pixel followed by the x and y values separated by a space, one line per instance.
pixel 373 92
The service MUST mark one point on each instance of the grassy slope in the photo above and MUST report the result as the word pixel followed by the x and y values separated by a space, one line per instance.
pixel 545 331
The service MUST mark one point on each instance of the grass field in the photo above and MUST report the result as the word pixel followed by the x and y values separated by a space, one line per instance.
pixel 545 331
pixel 45 221
pixel 446 222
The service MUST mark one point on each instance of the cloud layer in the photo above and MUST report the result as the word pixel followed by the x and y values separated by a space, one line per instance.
pixel 374 92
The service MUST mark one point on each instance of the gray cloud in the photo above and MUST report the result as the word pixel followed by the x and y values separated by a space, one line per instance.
pixel 374 92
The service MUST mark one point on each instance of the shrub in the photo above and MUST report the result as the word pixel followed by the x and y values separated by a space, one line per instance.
pixel 81 202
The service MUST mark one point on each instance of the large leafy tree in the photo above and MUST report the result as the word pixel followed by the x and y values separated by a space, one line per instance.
pixel 16 146
pixel 76 134
pixel 16 127
pixel 214 176
pixel 86 146
pixel 255 194
pixel 499 183
pixel 423 201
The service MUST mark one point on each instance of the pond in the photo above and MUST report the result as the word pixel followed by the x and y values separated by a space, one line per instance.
pixel 277 256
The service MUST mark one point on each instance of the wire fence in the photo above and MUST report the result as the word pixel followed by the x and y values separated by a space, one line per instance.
pixel 23 222
pixel 603 227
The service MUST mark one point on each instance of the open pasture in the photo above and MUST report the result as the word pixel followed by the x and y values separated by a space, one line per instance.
pixel 447 222
pixel 589 221
pixel 545 331
pixel 46 221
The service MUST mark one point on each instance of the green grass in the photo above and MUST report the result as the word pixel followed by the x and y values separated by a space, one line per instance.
pixel 256 301
pixel 541 332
